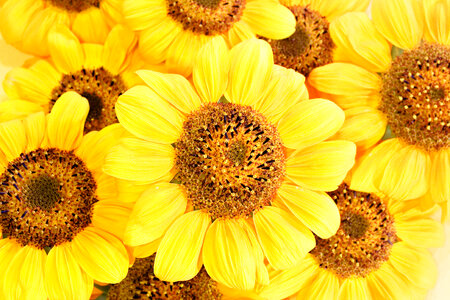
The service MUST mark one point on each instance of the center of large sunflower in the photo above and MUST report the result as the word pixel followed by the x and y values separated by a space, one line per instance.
pixel 100 88
pixel 141 283
pixel 230 160
pixel 416 96
pixel 208 17
pixel 47 197
pixel 75 5
pixel 309 47
pixel 364 239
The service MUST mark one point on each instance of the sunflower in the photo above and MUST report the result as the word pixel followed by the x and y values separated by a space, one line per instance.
pixel 174 31
pixel 407 97
pixel 311 45
pixel 61 221
pixel 100 73
pixel 231 158
pixel 379 252
pixel 26 23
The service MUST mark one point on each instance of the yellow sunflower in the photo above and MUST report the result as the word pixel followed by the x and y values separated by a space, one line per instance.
pixel 26 23
pixel 379 252
pixel 61 221
pixel 232 158
pixel 100 73
pixel 174 31
pixel 409 95
pixel 311 45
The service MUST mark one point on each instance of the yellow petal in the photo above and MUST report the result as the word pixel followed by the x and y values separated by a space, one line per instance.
pixel 91 26
pixel 436 20
pixel 324 287
pixel 112 216
pixel 399 21
pixel 13 139
pixel 240 31
pixel 8 250
pixel 65 49
pixel 314 209
pixel 145 114
pixel 406 174
pixel 154 212
pixel 251 68
pixel 66 121
pixel 101 255
pixel 173 88
pixel 147 249
pixel 64 278
pixel 363 125
pixel 269 19
pixel 357 41
pixel 334 8
pixel 283 239
pixel 118 44
pixel 35 129
pixel 310 122
pixel 386 284
pixel 183 51
pixel 141 14
pixel 323 166
pixel 284 283
pixel 139 160
pixel 228 254
pixel 356 84
pixel 419 231
pixel 184 261
pixel 440 176
pixel 285 89
pixel 422 273
pixel 17 109
pixel 93 54
pixel 354 289
pixel 210 73
pixel 25 275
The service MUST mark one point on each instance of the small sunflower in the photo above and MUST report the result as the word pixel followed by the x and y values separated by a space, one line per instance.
pixel 311 45
pixel 100 73
pixel 61 221
pixel 407 97
pixel 175 30
pixel 26 23
pixel 379 252
pixel 231 157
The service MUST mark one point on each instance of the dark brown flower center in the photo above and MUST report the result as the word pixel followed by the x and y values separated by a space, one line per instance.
pixel 309 47
pixel 230 160
pixel 47 198
pixel 74 5
pixel 208 17
pixel 141 283
pixel 100 88
pixel 416 96
pixel 364 240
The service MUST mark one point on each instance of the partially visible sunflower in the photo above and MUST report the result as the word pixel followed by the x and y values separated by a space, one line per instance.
pixel 408 95
pixel 379 252
pixel 61 221
pixel 311 45
pixel 100 73
pixel 264 139
pixel 174 31
pixel 26 23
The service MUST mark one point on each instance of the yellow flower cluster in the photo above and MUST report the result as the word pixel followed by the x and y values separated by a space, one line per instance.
pixel 224 149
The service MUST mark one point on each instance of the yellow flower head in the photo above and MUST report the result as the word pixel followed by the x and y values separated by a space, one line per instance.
pixel 249 153
pixel 379 252
pixel 174 31
pixel 27 23
pixel 100 73
pixel 61 221
pixel 409 95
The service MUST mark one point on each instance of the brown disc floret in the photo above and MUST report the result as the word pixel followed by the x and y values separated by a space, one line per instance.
pixel 364 239
pixel 208 17
pixel 416 96
pixel 141 283
pixel 309 47
pixel 100 88
pixel 230 160
pixel 74 5
pixel 47 198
